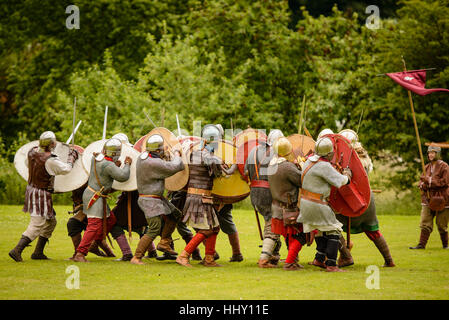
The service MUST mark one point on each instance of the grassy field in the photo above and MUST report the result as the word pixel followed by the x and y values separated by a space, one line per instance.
pixel 420 274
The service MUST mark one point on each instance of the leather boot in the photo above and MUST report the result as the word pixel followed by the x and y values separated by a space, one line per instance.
pixel 16 253
pixel 104 245
pixel 95 250
pixel 444 239
pixel 79 257
pixel 382 246
pixel 317 263
pixel 235 244
pixel 183 259
pixel 334 269
pixel 265 263
pixel 345 258
pixel 164 246
pixel 423 238
pixel 125 257
pixel 142 247
pixel 152 253
pixel 38 253
pixel 292 266
pixel 166 240
pixel 209 261
pixel 76 239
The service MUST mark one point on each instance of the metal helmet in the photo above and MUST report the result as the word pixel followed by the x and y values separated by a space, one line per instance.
pixel 324 132
pixel 47 139
pixel 155 143
pixel 113 148
pixel 284 148
pixel 273 136
pixel 324 146
pixel 212 132
pixel 122 137
pixel 349 134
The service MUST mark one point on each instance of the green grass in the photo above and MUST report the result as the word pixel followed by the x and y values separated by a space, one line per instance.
pixel 420 274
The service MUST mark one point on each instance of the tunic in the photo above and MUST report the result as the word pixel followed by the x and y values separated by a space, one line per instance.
pixel 151 173
pixel 319 179
pixel 107 172
pixel 261 198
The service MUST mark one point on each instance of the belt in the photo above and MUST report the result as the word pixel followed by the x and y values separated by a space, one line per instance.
pixel 202 192
pixel 98 192
pixel 260 184
pixel 312 196
pixel 150 196
pixel 284 205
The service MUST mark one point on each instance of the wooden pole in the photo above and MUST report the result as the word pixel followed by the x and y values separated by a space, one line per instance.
pixel 129 216
pixel 416 128
pixel 258 225
pixel 415 123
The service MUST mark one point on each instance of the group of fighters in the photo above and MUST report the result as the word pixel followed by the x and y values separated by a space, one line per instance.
pixel 276 178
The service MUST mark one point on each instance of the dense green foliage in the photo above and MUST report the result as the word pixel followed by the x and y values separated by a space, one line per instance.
pixel 249 61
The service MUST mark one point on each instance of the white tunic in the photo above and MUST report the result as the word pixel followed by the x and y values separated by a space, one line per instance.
pixel 319 179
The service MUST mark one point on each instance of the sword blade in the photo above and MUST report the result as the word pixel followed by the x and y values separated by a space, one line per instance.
pixel 105 122
pixel 73 133
pixel 179 128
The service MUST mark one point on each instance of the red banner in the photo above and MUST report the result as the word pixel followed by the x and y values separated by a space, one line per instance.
pixel 414 81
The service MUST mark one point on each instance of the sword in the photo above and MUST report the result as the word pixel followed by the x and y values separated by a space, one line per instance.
pixel 105 122
pixel 155 126
pixel 179 128
pixel 73 133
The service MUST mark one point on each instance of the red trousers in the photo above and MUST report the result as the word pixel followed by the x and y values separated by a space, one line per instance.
pixel 94 232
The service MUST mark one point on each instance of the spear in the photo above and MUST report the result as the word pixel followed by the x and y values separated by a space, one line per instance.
pixel 73 125
pixel 301 117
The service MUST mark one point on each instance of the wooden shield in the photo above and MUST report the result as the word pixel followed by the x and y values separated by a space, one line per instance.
pixel 127 151
pixel 77 177
pixel 302 145
pixel 179 180
pixel 249 134
pixel 229 189
pixel 351 200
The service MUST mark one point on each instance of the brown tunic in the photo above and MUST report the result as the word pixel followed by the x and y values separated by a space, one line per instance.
pixel 436 181
pixel 38 197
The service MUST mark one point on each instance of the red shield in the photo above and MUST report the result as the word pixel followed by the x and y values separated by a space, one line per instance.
pixel 353 199
pixel 243 153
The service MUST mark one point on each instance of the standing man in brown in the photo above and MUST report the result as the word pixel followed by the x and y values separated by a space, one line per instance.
pixel 43 166
pixel 434 184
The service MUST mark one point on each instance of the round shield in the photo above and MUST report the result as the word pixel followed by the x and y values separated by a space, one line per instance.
pixel 243 151
pixel 302 145
pixel 229 189
pixel 179 180
pixel 77 177
pixel 139 143
pixel 249 134
pixel 127 151
pixel 353 199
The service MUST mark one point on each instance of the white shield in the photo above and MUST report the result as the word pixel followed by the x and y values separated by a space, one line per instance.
pixel 63 183
pixel 127 151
